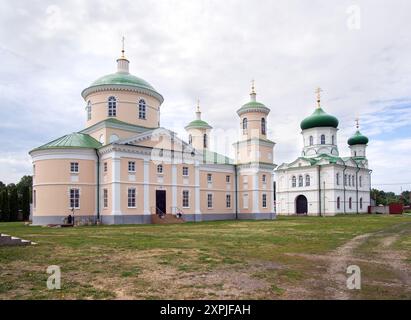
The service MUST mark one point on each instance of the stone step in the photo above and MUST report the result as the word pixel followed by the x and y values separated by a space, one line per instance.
pixel 166 219
pixel 7 240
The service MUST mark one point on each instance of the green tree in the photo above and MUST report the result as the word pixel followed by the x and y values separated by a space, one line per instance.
pixel 24 188
pixel 4 205
pixel 13 202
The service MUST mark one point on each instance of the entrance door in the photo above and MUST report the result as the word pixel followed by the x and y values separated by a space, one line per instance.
pixel 160 201
pixel 301 204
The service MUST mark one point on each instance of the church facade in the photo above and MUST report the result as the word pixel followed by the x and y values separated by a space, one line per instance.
pixel 124 168
pixel 320 182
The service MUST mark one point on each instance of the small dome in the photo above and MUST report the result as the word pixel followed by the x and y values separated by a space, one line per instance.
pixel 319 118
pixel 124 79
pixel 357 138
pixel 253 106
pixel 198 124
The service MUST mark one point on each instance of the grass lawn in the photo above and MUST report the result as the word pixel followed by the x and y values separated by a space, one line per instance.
pixel 289 258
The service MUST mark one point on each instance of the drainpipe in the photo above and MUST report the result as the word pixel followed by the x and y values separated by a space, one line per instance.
pixel 98 185
pixel 344 183
pixel 236 191
pixel 319 190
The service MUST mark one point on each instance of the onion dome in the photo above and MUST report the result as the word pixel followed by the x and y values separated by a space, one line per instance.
pixel 253 105
pixel 357 138
pixel 319 118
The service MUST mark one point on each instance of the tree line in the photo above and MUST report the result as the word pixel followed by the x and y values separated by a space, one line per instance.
pixel 15 200
pixel 387 198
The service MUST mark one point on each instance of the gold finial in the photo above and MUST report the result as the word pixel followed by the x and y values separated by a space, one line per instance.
pixel 318 92
pixel 122 50
pixel 357 123
pixel 198 105
pixel 252 86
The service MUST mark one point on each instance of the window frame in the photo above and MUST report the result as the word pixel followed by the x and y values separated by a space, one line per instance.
pixel 264 200
pixel 112 106
pixel 307 180
pixel 74 198
pixel 185 197
pixel 131 197
pixel 300 181
pixel 76 166
pixel 209 201
pixel 293 181
pixel 88 110
pixel 263 126
pixel 105 198
pixel 142 109
pixel 322 139
pixel 185 174
pixel 133 166
pixel 228 201
pixel 160 169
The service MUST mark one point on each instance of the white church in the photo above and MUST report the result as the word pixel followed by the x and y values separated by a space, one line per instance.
pixel 320 182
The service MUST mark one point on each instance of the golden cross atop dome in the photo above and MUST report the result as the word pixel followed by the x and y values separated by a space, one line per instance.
pixel 252 86
pixel 318 92
pixel 198 105
pixel 357 122
pixel 122 50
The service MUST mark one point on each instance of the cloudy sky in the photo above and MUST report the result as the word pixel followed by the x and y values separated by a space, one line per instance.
pixel 359 52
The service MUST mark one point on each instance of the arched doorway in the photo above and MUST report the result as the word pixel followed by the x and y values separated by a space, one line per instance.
pixel 301 206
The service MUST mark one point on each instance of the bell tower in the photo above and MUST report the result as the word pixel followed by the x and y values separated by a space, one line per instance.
pixel 199 131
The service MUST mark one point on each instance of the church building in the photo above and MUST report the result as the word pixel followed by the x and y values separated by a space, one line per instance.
pixel 124 168
pixel 320 182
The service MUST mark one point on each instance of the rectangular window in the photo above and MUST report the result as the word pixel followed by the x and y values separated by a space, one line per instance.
pixel 74 198
pixel 209 178
pixel 185 171
pixel 209 200
pixel 74 167
pixel 345 179
pixel 264 178
pixel 131 201
pixel 228 200
pixel 34 169
pixel 264 200
pixel 131 166
pixel 105 198
pixel 105 167
pixel 245 201
pixel 34 199
pixel 186 199
pixel 227 179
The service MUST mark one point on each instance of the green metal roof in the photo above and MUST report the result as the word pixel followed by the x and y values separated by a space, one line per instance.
pixel 319 118
pixel 253 105
pixel 198 124
pixel 357 138
pixel 73 140
pixel 215 158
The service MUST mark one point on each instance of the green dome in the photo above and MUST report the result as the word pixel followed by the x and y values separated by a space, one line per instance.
pixel 200 124
pixel 357 138
pixel 319 118
pixel 122 79
pixel 253 106
pixel 73 140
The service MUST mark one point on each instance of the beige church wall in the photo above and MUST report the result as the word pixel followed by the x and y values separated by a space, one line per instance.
pixel 152 192
pixel 106 176
pixel 164 178
pixel 108 210
pixel 192 202
pixel 54 200
pixel 127 108
pixel 181 180
pixel 132 177
pixel 253 124
pixel 58 171
pixel 248 152
pixel 139 209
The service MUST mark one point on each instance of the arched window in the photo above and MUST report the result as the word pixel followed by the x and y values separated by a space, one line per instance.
pixel 141 109
pixel 355 153
pixel 360 181
pixel 350 203
pixel 112 107
pixel 322 139
pixel 190 139
pixel 307 180
pixel 245 125
pixel 300 181
pixel 360 203
pixel 88 110
pixel 263 126
pixel 337 178
pixel 160 168
pixel 353 181
pixel 338 203
pixel 293 182
pixel 205 142
pixel 311 140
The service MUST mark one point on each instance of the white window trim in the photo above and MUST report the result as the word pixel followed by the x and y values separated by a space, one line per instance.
pixel 105 190
pixel 188 170
pixel 79 196
pixel 134 165
pixel 212 201
pixel 231 200
pixel 78 167
pixel 182 199
pixel 135 198
pixel 262 201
